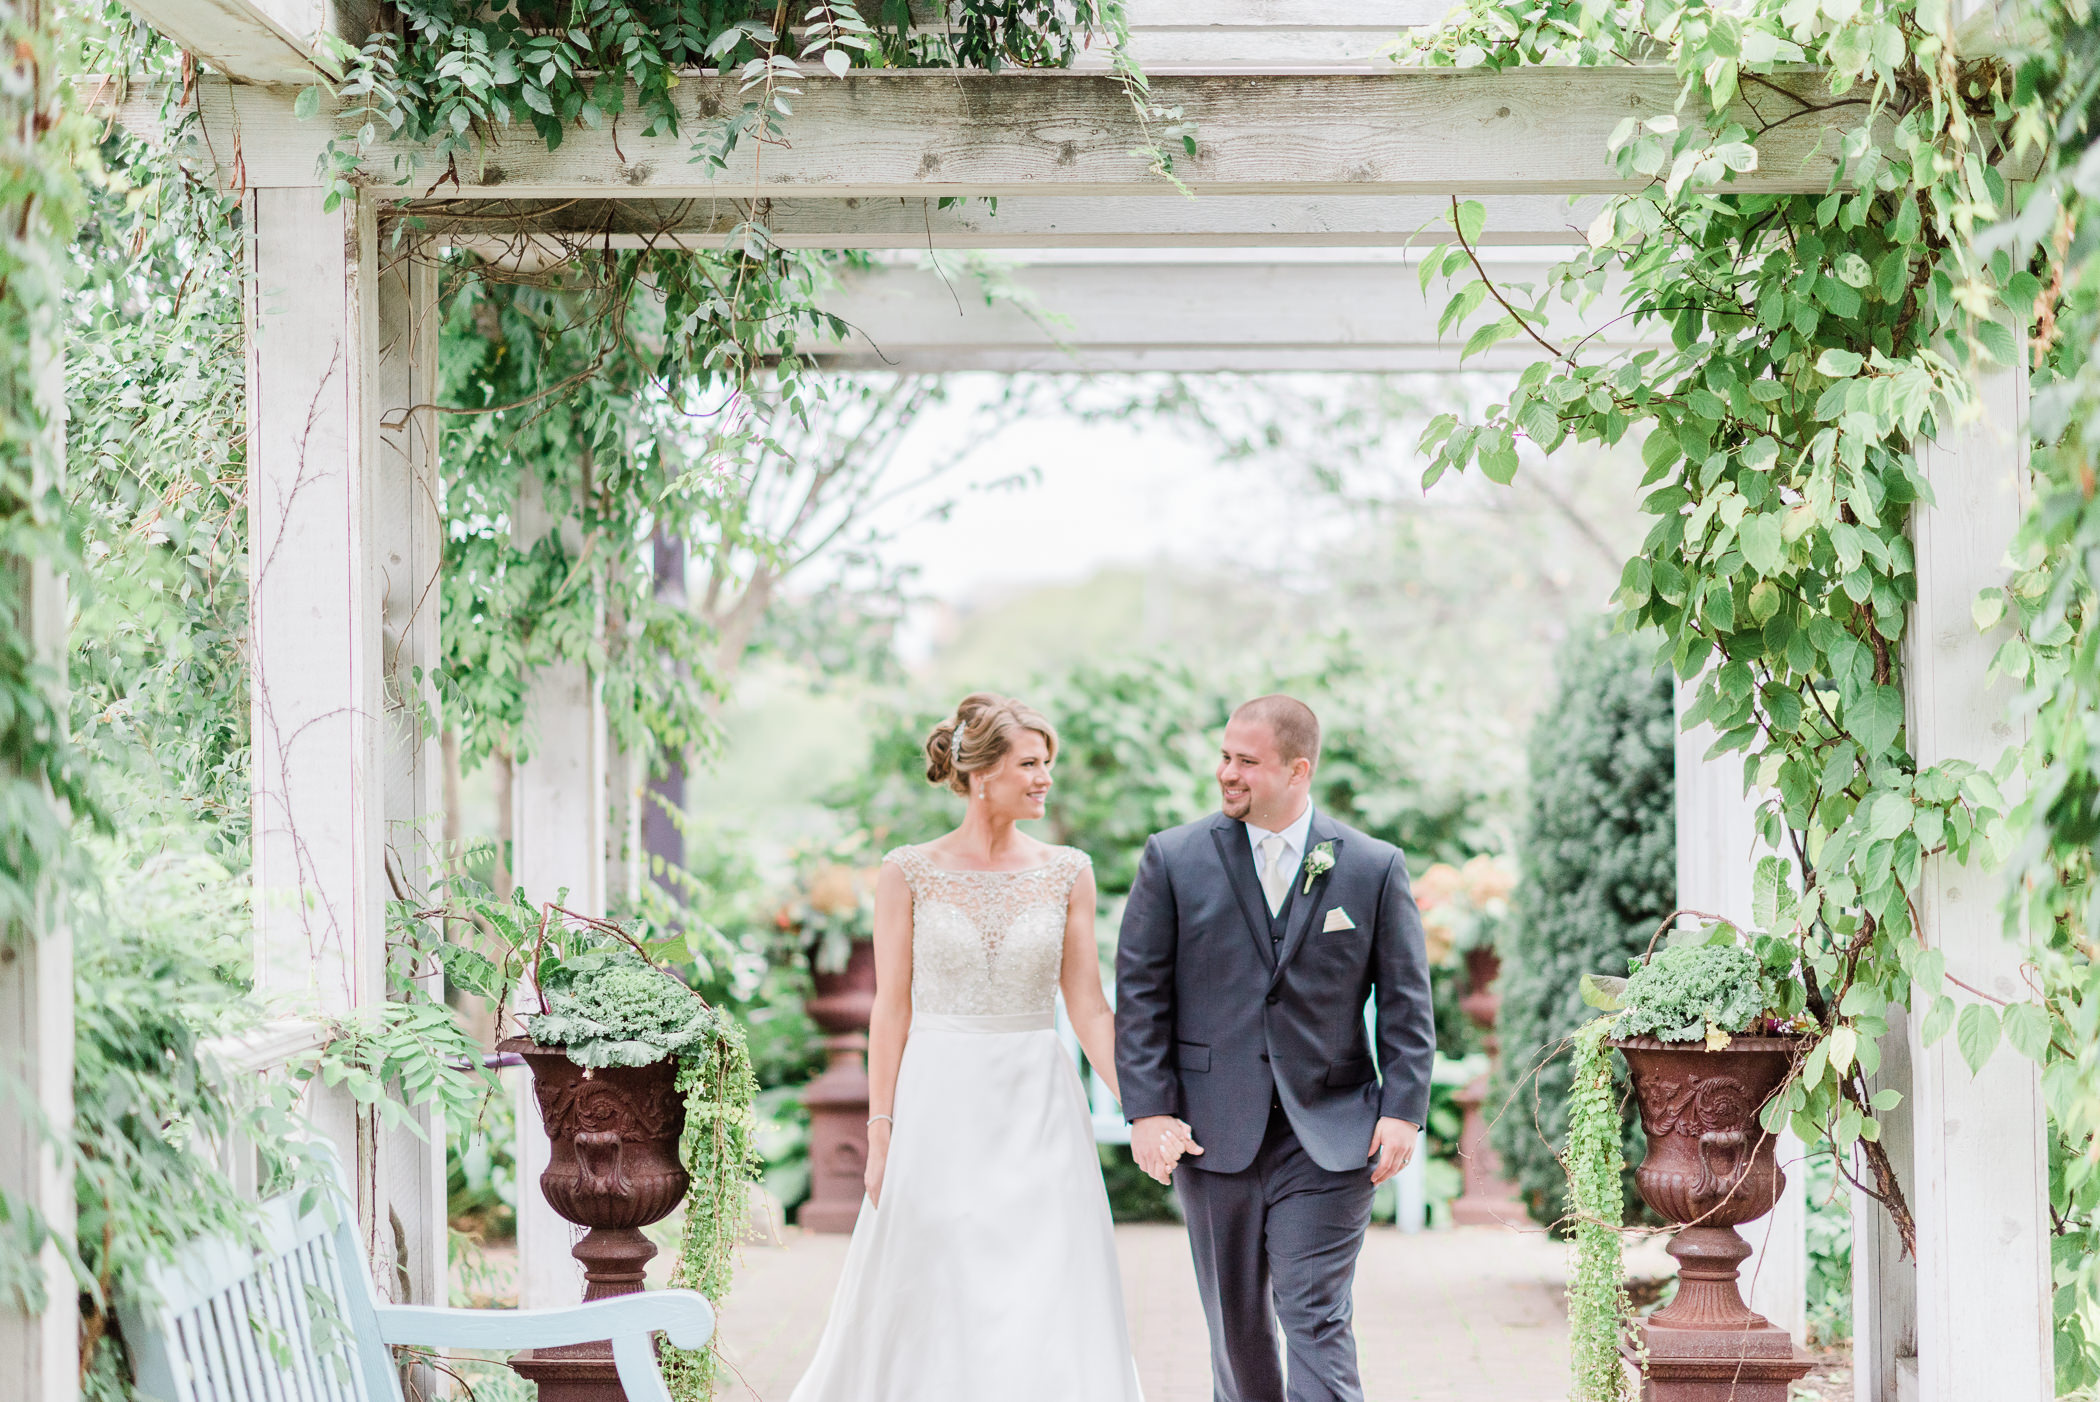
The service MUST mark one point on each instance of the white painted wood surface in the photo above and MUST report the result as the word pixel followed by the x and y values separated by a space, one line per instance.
pixel 315 626
pixel 503 228
pixel 1181 314
pixel 915 134
pixel 249 41
pixel 301 1318
pixel 39 1355
pixel 335 533
pixel 1884 1279
pixel 408 532
pixel 39 1352
pixel 1979 1188
pixel 558 825
pixel 1717 852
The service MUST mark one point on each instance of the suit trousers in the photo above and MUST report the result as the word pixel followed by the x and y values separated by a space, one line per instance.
pixel 1276 1243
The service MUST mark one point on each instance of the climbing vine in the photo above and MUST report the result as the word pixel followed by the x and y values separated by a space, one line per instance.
pixel 1813 341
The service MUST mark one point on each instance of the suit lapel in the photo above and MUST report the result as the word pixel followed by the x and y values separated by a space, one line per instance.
pixel 1230 835
pixel 1309 905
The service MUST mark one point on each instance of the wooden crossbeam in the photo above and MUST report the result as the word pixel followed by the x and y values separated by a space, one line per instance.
pixel 1030 221
pixel 249 41
pixel 1180 315
pixel 915 135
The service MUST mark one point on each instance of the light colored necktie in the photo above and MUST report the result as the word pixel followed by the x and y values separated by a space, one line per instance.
pixel 1275 877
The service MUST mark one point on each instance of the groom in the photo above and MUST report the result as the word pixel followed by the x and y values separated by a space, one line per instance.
pixel 1250 945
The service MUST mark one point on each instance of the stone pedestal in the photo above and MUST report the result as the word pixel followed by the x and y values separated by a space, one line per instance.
pixel 1488 1199
pixel 1707 1346
pixel 838 1099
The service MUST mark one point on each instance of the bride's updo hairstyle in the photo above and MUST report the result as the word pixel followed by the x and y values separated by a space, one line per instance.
pixel 978 736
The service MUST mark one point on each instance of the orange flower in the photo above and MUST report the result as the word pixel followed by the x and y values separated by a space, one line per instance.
pixel 1488 879
pixel 834 889
pixel 1436 886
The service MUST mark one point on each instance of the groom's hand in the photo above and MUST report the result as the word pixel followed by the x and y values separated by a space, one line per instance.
pixel 1157 1142
pixel 1393 1145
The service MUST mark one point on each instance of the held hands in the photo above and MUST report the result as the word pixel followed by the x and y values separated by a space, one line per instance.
pixel 1157 1142
pixel 1393 1145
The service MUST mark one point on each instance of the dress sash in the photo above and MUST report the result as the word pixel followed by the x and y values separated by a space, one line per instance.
pixel 1043 1021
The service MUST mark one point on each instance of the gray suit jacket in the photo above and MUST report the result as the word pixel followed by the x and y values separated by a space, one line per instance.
pixel 1213 1021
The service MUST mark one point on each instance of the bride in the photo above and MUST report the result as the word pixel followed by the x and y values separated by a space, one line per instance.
pixel 983 1264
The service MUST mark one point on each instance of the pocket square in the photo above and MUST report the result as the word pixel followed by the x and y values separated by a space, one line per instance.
pixel 1337 919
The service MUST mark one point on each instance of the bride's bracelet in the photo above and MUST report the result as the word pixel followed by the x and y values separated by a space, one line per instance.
pixel 873 1118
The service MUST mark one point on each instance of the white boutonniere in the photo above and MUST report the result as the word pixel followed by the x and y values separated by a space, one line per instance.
pixel 1318 863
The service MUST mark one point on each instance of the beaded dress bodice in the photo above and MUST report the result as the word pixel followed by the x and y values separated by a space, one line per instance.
pixel 987 942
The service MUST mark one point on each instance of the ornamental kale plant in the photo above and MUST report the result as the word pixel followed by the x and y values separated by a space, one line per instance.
pixel 628 1014
pixel 1708 990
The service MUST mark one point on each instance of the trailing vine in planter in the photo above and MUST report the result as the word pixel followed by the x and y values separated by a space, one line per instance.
pixel 1596 1166
pixel 720 1150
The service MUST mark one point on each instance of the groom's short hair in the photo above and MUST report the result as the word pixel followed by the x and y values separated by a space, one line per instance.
pixel 1291 721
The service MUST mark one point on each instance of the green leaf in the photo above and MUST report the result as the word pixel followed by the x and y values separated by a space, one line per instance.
pixel 308 103
pixel 1839 364
pixel 1603 992
pixel 1843 1043
pixel 1760 540
pixel 2027 1030
pixel 1472 221
pixel 1997 339
pixel 1875 719
pixel 1938 1021
pixel 1976 1033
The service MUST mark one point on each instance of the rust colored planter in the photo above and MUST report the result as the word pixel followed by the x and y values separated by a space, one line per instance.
pixel 1489 1199
pixel 1710 1167
pixel 614 1169
pixel 838 1099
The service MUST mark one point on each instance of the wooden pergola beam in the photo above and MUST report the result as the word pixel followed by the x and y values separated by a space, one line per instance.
pixel 1186 316
pixel 1031 221
pixel 949 134
pixel 249 41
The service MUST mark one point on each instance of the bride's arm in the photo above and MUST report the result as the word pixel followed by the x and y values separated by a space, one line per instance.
pixel 1085 1004
pixel 890 1024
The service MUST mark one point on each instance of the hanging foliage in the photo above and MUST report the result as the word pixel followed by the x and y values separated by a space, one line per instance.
pixel 719 1151
pixel 1598 1307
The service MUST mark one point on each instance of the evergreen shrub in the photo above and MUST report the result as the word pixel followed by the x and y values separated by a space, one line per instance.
pixel 1597 873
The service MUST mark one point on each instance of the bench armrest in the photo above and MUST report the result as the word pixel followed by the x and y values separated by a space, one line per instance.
pixel 629 1322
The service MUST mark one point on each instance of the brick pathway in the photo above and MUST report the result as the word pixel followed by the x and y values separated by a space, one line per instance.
pixel 1470 1315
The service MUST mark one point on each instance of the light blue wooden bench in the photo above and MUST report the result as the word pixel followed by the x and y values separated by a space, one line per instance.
pixel 299 1321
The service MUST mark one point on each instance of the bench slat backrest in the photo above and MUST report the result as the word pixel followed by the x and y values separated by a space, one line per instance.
pixel 285 1317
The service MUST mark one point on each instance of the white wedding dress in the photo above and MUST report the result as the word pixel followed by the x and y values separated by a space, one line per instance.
pixel 989 1271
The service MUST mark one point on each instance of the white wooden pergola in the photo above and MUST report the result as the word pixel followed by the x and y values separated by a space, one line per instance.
pixel 1304 143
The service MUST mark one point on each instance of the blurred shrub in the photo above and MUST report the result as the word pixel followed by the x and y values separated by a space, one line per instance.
pixel 1598 872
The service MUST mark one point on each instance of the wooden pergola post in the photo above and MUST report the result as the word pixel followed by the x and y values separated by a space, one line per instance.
pixel 341 517
pixel 410 539
pixel 1979 1175
pixel 39 1350
pixel 558 827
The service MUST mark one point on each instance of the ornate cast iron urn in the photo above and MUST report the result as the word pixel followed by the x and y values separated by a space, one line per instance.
pixel 838 1099
pixel 614 1169
pixel 1710 1168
